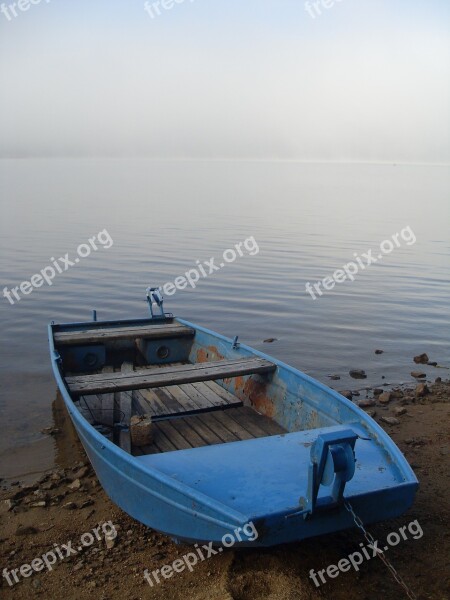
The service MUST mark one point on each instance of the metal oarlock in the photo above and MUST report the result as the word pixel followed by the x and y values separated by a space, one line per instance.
pixel 155 297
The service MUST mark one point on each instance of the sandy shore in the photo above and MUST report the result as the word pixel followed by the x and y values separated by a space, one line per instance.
pixel 68 505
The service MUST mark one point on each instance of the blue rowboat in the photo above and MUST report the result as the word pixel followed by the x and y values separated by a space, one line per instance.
pixel 197 435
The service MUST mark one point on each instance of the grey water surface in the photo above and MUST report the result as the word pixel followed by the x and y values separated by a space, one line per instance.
pixel 306 221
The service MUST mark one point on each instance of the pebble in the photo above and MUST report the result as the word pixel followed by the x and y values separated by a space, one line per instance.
pixel 78 466
pixel 57 475
pixel 399 411
pixel 357 374
pixel 438 380
pixel 421 359
pixel 422 390
pixel 81 473
pixel 377 391
pixel 78 566
pixel 390 420
pixel 384 398
pixel 347 394
pixel 270 340
pixel 26 530
pixel 70 506
pixel 366 403
pixel 418 374
pixel 432 363
pixel 379 351
pixel 48 485
pixel 50 431
pixel 10 504
pixel 334 377
pixel 75 485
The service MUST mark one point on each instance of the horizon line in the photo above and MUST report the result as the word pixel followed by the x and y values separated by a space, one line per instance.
pixel 228 159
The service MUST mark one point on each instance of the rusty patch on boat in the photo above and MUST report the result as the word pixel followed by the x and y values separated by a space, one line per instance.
pixel 239 384
pixel 208 354
pixel 256 392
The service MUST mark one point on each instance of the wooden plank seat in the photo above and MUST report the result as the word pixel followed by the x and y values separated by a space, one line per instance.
pixel 110 334
pixel 167 376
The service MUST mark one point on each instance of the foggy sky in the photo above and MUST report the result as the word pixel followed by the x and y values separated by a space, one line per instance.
pixel 365 80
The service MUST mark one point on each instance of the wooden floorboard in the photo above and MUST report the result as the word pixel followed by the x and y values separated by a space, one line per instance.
pixel 190 435
pixel 184 399
pixel 174 435
pixel 163 442
pixel 209 435
pixel 191 392
pixel 153 402
pixel 233 425
pixel 216 389
pixel 218 427
pixel 269 426
pixel 189 401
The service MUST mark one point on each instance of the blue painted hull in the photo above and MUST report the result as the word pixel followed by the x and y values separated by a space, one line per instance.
pixel 202 494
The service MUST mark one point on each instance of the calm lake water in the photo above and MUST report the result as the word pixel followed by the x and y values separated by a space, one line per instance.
pixel 307 219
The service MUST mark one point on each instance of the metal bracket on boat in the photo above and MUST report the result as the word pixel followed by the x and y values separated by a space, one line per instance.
pixel 332 464
pixel 57 357
pixel 235 344
pixel 155 299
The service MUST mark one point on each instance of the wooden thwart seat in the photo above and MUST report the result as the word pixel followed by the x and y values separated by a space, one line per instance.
pixel 110 334
pixel 167 376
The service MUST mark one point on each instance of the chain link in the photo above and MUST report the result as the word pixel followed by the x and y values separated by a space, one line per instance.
pixel 381 555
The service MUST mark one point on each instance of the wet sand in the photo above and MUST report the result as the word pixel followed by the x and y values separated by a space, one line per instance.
pixel 69 502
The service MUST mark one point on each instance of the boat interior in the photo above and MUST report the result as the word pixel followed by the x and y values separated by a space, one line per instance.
pixel 114 372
